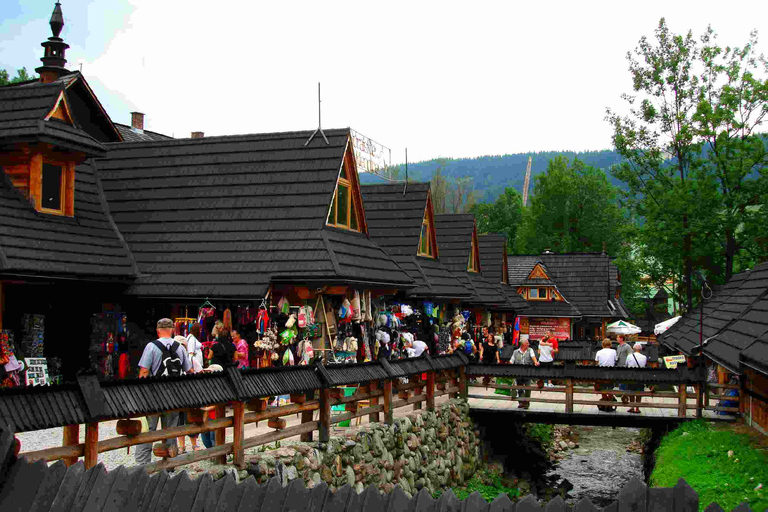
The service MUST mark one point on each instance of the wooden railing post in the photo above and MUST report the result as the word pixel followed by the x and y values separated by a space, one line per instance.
pixel 455 381
pixel 417 391
pixel 91 444
pixel 71 438
pixel 682 400
pixel 569 396
pixel 325 415
pixel 239 428
pixel 706 394
pixel 221 434
pixel 698 388
pixel 431 390
pixel 387 389
pixel 743 398
pixel 306 417
pixel 374 416
pixel 463 382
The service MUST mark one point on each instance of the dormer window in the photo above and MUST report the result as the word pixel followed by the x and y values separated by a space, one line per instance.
pixel 52 186
pixel 427 238
pixel 473 263
pixel 346 208
pixel 537 293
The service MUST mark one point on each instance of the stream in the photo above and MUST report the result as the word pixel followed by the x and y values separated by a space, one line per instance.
pixel 600 465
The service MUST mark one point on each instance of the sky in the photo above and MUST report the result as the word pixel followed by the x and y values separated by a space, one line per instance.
pixel 444 79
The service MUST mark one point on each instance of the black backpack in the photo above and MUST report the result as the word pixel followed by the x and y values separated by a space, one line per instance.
pixel 170 362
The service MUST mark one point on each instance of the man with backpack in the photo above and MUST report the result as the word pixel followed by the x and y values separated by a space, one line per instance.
pixel 162 357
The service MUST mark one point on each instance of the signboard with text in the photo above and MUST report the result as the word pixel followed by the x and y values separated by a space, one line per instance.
pixel 671 362
pixel 370 156
pixel 37 371
pixel 539 327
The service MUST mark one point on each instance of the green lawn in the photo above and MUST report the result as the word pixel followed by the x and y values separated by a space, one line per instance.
pixel 698 452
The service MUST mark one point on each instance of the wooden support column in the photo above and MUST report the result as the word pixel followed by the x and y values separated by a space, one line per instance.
pixel 463 382
pixel 706 394
pixel 431 391
pixel 71 438
pixel 221 434
pixel 239 435
pixel 569 396
pixel 743 398
pixel 416 379
pixel 387 389
pixel 698 388
pixel 681 400
pixel 374 416
pixel 325 415
pixel 306 417
pixel 455 382
pixel 91 444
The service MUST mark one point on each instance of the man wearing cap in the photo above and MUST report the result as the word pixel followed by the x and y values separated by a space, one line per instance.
pixel 149 364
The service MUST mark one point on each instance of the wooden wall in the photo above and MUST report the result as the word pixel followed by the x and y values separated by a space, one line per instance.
pixel 757 409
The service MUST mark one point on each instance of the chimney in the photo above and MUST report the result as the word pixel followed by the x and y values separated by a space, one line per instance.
pixel 137 122
pixel 198 135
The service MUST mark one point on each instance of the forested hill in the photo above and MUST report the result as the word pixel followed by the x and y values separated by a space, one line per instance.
pixel 492 174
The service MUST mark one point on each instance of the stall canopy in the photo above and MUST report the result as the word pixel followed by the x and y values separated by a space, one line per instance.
pixel 666 324
pixel 622 327
pixel 226 216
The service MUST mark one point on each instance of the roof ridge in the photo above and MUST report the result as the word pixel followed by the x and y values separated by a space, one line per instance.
pixel 244 136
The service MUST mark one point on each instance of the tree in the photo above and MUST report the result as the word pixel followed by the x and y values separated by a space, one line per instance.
pixel 438 185
pixel 502 216
pixel 461 195
pixel 694 165
pixel 574 208
pixel 21 76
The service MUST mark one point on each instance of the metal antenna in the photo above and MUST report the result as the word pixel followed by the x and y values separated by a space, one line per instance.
pixel 319 121
pixel 405 186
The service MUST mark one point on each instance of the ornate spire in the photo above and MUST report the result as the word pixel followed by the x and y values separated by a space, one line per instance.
pixel 57 20
pixel 55 48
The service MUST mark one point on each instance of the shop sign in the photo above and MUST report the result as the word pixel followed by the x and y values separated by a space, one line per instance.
pixel 539 327
pixel 370 156
pixel 671 362
pixel 37 371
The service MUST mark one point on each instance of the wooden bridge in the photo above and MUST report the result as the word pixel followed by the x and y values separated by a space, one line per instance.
pixel 240 398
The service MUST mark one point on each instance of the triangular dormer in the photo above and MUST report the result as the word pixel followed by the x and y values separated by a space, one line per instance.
pixel 346 209
pixel 60 111
pixel 538 272
pixel 428 239
pixel 473 265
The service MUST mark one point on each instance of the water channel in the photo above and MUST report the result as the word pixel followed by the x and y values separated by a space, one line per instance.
pixel 600 465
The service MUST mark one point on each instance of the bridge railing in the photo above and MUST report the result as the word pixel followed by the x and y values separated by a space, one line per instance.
pixel 569 380
pixel 381 387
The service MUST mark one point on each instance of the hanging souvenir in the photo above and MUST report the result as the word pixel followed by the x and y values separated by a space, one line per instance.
pixel 288 358
pixel 302 317
pixel 291 321
pixel 356 307
pixel 283 306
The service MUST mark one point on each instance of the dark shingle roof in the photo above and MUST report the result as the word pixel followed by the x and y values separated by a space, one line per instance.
pixel 224 216
pixel 454 237
pixel 87 244
pixel 735 323
pixel 492 254
pixel 394 223
pixel 130 135
pixel 22 113
pixel 584 279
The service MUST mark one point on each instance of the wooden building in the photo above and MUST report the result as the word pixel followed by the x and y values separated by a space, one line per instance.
pixel 574 294
pixel 733 331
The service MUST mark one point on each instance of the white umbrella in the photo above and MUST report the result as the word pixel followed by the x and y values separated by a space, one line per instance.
pixel 622 327
pixel 666 324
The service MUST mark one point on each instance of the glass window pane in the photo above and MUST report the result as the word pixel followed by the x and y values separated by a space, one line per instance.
pixel 353 218
pixel 542 293
pixel 343 172
pixel 533 293
pixel 342 216
pixel 51 196
pixel 332 216
pixel 423 241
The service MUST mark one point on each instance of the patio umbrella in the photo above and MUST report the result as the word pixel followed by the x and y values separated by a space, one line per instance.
pixel 622 327
pixel 666 324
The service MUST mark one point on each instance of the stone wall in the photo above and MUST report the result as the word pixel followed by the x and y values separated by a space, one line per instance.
pixel 423 449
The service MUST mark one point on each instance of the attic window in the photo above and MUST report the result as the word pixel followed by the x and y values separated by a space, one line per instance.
pixel 427 240
pixel 537 293
pixel 472 263
pixel 52 186
pixel 346 209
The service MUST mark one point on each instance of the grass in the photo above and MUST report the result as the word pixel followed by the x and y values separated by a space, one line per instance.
pixel 489 484
pixel 698 453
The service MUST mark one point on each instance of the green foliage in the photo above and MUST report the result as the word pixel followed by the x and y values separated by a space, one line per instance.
pixel 698 453
pixel 540 433
pixel 21 76
pixel 489 484
pixel 574 208
pixel 695 167
pixel 451 195
pixel 502 216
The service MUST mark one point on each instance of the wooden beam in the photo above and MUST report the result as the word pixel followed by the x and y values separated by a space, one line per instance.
pixel 325 415
pixel 387 389
pixel 306 417
pixel 277 435
pixel 285 410
pixel 71 438
pixel 91 444
pixel 417 380
pixel 374 416
pixel 569 396
pixel 239 434
pixel 431 391
pixel 189 458
pixel 221 434
pixel 681 400
pixel 35 179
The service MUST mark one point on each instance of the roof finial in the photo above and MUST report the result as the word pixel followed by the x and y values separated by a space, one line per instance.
pixel 57 20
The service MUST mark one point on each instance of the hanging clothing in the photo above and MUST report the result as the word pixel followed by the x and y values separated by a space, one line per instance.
pixel 241 347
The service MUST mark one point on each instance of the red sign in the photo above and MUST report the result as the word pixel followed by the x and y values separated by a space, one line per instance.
pixel 538 327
